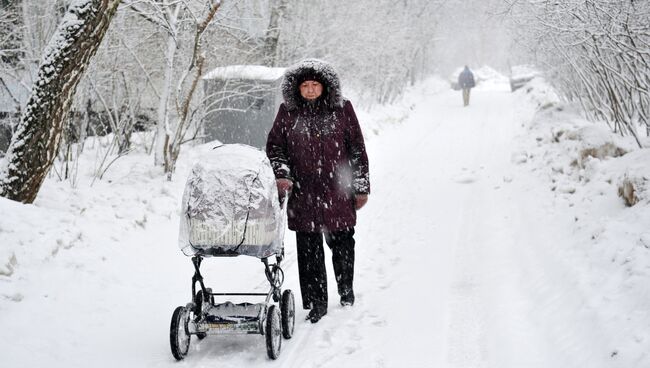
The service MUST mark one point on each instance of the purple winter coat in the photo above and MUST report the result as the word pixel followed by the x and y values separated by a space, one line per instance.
pixel 319 146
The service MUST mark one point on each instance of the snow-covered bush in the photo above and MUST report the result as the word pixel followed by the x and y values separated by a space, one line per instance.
pixel 577 153
pixel 540 93
pixel 633 177
pixel 596 142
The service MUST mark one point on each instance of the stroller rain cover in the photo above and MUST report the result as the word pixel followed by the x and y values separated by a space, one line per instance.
pixel 230 205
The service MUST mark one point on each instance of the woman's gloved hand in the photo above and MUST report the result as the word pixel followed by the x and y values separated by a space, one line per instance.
pixel 284 188
pixel 360 201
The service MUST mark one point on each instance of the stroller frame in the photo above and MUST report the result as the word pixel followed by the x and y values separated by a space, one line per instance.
pixel 274 275
pixel 202 316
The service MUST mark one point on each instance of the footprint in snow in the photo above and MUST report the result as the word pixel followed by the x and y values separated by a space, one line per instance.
pixel 326 341
pixel 467 178
pixel 349 350
pixel 377 320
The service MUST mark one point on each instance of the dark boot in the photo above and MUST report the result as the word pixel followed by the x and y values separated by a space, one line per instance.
pixel 317 312
pixel 347 299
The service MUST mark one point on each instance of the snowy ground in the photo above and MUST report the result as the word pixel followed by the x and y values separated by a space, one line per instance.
pixel 482 245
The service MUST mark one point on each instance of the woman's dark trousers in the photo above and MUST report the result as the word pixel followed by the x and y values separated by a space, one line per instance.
pixel 311 265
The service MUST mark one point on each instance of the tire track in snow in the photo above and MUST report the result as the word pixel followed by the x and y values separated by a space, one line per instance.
pixel 466 330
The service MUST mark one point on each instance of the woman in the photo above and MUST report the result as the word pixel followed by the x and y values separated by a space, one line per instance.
pixel 319 158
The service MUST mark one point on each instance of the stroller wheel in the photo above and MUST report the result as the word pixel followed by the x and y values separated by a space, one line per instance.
pixel 273 332
pixel 288 311
pixel 178 337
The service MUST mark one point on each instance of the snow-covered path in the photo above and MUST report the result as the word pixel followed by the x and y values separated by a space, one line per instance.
pixel 437 238
pixel 453 269
pixel 428 198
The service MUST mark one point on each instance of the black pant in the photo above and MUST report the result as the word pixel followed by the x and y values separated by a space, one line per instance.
pixel 311 264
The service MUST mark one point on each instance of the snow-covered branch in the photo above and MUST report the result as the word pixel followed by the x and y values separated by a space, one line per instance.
pixel 597 51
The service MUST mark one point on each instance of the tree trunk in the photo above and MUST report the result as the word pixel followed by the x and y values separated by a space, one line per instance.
pixel 34 145
pixel 273 32
pixel 162 127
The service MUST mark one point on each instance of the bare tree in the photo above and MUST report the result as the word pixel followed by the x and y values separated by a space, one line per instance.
pixel 180 21
pixel 597 52
pixel 173 142
pixel 34 145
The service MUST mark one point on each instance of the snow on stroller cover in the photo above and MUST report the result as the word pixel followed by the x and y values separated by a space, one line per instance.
pixel 230 205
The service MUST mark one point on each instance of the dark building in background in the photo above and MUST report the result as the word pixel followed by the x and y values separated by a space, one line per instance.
pixel 241 102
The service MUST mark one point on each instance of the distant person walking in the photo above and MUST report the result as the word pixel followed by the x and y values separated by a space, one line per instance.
pixel 466 83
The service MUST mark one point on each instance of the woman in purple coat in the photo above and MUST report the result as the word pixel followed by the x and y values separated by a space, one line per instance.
pixel 319 158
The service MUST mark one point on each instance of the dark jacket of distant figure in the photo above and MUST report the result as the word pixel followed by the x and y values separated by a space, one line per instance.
pixel 319 146
pixel 466 79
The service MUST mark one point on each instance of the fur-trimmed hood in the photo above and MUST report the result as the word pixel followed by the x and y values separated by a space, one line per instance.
pixel 323 72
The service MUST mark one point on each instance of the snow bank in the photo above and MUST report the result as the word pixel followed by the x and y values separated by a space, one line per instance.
pixel 540 94
pixel 524 71
pixel 595 175
pixel 84 262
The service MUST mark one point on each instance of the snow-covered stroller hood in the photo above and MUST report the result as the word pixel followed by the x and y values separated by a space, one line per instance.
pixel 230 205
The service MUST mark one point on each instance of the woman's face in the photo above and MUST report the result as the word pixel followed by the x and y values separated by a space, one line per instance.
pixel 311 90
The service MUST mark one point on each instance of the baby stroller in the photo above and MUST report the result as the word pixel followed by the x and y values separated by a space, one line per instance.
pixel 230 208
